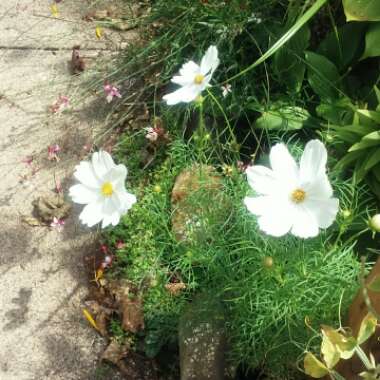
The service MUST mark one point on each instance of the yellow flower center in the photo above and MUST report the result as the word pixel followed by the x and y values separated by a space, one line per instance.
pixel 199 78
pixel 298 196
pixel 107 189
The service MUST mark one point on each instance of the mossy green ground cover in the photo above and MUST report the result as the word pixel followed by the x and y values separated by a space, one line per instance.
pixel 276 291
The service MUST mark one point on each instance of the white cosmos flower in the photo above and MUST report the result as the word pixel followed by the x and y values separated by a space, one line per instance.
pixel 291 197
pixel 194 78
pixel 102 190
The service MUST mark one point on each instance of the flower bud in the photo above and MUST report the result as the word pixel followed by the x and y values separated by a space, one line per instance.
pixel 346 213
pixel 157 189
pixel 268 262
pixel 374 223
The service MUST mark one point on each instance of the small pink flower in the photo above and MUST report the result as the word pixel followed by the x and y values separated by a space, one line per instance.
pixel 60 104
pixel 107 262
pixel 120 244
pixel 152 134
pixel 27 160
pixel 104 249
pixel 111 92
pixel 53 151
pixel 57 223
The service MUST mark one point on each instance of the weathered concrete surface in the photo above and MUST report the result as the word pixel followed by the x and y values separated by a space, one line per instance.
pixel 42 276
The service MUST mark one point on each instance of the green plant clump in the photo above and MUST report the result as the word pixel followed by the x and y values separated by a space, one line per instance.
pixel 273 290
pixel 289 82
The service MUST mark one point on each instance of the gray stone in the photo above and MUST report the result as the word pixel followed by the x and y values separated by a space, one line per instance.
pixel 202 340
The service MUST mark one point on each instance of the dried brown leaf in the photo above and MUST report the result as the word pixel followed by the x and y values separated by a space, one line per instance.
pixel 114 353
pixel 133 316
pixel 175 288
pixel 77 62
pixel 34 222
pixel 49 207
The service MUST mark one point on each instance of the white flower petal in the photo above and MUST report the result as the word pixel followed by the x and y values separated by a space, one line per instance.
pixel 117 175
pixel 127 200
pixel 189 69
pixel 210 61
pixel 283 164
pixel 305 223
pixel 324 210
pixel 258 205
pixel 262 179
pixel 85 174
pixel 318 188
pixel 184 94
pixel 83 195
pixel 92 214
pixel 275 217
pixel 102 162
pixel 313 161
pixel 276 223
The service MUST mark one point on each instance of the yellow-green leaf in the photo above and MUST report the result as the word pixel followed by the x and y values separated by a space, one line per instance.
pixel 54 10
pixel 98 32
pixel 367 328
pixel 345 345
pixel 362 10
pixel 314 367
pixel 329 352
pixel 90 319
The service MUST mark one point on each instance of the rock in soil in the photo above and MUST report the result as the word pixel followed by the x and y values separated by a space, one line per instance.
pixel 195 193
pixel 202 341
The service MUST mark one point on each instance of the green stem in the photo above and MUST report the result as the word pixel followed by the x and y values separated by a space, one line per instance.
pixel 363 357
pixel 284 39
pixel 215 100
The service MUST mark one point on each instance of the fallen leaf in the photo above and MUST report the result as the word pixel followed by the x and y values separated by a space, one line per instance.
pixel 49 207
pixel 133 316
pixel 131 311
pixel 90 319
pixel 114 352
pixel 54 10
pixel 175 288
pixel 98 32
pixel 100 315
pixel 34 222
pixel 77 63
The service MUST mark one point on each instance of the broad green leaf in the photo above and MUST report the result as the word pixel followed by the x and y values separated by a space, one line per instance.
pixel 360 170
pixel 357 129
pixel 314 367
pixel 349 159
pixel 373 159
pixel 367 328
pixel 372 41
pixel 285 118
pixel 374 285
pixel 362 10
pixel 373 115
pixel 329 352
pixel 345 45
pixel 377 92
pixel 374 184
pixel 338 112
pixel 372 139
pixel 284 38
pixel 289 67
pixel 376 172
pixel 323 76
